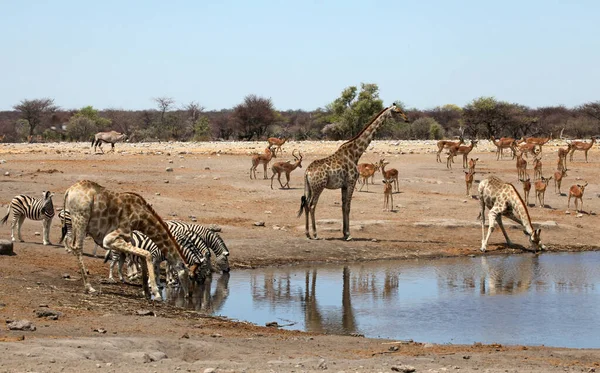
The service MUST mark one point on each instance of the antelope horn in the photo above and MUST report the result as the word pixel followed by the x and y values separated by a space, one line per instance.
pixel 294 153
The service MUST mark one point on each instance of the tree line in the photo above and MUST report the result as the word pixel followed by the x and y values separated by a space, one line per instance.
pixel 255 118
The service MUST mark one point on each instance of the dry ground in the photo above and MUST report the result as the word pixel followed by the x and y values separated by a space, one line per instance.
pixel 433 217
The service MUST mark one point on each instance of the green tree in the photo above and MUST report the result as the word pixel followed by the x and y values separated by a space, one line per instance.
pixel 35 111
pixel 351 112
pixel 484 114
pixel 202 130
pixel 85 123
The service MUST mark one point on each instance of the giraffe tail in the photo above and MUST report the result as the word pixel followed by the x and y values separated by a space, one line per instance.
pixel 302 205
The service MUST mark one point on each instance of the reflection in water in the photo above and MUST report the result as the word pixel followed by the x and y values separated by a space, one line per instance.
pixel 202 299
pixel 547 299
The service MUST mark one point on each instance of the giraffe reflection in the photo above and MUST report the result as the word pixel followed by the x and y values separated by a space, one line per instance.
pixel 202 299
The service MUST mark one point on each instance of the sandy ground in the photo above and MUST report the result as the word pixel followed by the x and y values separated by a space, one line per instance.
pixel 432 217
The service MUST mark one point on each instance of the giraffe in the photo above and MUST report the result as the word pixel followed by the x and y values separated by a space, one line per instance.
pixel 109 218
pixel 339 171
pixel 503 199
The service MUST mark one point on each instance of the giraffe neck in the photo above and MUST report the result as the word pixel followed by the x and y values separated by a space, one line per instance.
pixel 520 212
pixel 355 147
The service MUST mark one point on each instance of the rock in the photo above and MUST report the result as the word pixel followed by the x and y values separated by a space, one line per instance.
pixel 48 313
pixel 207 168
pixel 579 215
pixel 145 313
pixel 7 173
pixel 210 370
pixel 272 324
pixel 259 224
pixel 2 161
pixel 66 275
pixel 157 193
pixel 216 178
pixel 6 247
pixel 214 228
pixel 185 336
pixel 170 161
pixel 25 325
pixel 156 356
pixel 322 364
pixel 166 181
pixel 100 330
pixel 403 368
pixel 169 169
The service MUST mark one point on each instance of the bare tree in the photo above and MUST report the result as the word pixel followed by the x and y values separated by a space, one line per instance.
pixel 194 110
pixel 164 104
pixel 35 111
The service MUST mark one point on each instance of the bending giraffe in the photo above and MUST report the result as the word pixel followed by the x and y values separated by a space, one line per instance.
pixel 503 199
pixel 339 171
pixel 110 218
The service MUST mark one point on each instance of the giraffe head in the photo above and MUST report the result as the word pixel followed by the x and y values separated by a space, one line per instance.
pixel 397 112
pixel 535 239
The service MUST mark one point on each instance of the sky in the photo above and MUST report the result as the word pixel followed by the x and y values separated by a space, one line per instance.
pixel 301 54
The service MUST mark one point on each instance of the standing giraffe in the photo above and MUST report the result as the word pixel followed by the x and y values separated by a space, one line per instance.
pixel 109 218
pixel 339 171
pixel 503 199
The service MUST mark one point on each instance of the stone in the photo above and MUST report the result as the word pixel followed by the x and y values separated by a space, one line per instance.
pixel 403 368
pixel 25 325
pixel 272 324
pixel 145 313
pixel 7 173
pixel 169 169
pixel 6 247
pixel 259 224
pixel 47 313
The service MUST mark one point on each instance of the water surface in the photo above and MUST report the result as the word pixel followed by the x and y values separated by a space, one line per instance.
pixel 550 299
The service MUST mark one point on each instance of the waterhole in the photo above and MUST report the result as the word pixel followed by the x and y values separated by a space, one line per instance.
pixel 550 299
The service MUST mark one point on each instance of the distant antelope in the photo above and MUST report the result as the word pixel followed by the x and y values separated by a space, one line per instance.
pixel 501 144
pixel 576 191
pixel 472 164
pixel 264 158
pixel 540 190
pixel 558 176
pixel 562 156
pixel 526 188
pixel 109 137
pixel 366 171
pixel 521 166
pixel 274 141
pixel 442 144
pixel 287 168
pixel 2 137
pixel 537 168
pixel 388 198
pixel 469 180
pixel 582 146
pixel 465 150
pixel 391 174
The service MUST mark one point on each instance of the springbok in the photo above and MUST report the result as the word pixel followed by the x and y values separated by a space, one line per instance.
pixel 576 191
pixel 264 158
pixel 558 176
pixel 540 190
pixel 583 146
pixel 366 171
pixel 287 167
pixel 109 137
pixel 274 141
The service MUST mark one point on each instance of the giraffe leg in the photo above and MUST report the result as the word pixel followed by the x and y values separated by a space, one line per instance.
pixel 115 240
pixel 77 250
pixel 492 218
pixel 499 220
pixel 46 230
pixel 310 210
pixel 346 203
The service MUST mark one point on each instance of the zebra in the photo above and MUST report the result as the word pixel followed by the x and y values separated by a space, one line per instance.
pixel 209 237
pixel 195 254
pixel 65 218
pixel 33 208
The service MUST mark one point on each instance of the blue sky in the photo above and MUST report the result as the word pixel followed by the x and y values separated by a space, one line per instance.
pixel 301 54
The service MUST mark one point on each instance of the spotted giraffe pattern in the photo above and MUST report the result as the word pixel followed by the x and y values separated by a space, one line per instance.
pixel 503 199
pixel 339 171
pixel 109 218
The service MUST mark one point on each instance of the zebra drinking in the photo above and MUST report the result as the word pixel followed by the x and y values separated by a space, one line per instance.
pixel 210 239
pixel 32 208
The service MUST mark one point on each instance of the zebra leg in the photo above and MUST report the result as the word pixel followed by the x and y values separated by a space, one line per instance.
pixel 18 221
pixel 46 223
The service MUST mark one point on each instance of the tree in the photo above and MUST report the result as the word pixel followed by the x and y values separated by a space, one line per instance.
pixel 484 114
pixel 35 111
pixel 164 104
pixel 254 116
pixel 350 112
pixel 85 123
pixel 592 110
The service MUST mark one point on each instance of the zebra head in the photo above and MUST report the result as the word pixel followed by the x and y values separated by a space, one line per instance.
pixel 199 263
pixel 47 198
pixel 222 262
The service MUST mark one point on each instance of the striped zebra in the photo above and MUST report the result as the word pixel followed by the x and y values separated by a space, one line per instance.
pixel 210 239
pixel 194 254
pixel 66 229
pixel 32 208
